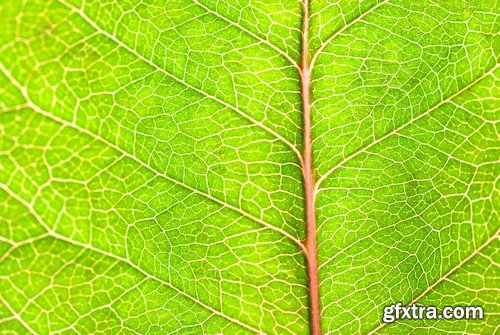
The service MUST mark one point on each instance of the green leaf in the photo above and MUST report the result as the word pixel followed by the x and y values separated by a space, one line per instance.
pixel 194 166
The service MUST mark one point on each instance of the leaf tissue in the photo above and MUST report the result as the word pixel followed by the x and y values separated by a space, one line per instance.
pixel 248 166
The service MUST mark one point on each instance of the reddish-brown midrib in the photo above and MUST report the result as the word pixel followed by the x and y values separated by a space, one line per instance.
pixel 308 176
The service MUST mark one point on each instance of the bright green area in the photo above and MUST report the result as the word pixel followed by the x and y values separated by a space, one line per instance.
pixel 149 182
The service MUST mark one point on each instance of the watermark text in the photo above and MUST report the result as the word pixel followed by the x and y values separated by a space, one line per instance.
pixel 413 312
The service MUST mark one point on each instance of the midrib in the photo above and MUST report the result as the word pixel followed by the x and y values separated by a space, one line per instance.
pixel 308 177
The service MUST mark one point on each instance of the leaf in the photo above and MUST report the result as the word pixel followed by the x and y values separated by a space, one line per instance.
pixel 194 167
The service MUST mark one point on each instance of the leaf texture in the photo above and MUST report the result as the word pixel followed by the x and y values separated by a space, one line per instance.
pixel 153 157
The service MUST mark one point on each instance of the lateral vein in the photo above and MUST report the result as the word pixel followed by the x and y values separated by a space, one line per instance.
pixel 446 275
pixel 90 247
pixel 66 123
pixel 403 126
pixel 341 31
pixel 170 75
pixel 249 32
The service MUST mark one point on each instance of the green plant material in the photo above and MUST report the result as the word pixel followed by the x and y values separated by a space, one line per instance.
pixel 150 165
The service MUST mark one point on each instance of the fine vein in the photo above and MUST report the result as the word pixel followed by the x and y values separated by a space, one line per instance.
pixel 125 153
pixel 150 62
pixel 446 275
pixel 91 247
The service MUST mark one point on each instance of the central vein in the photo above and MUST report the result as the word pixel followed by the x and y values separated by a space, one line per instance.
pixel 308 176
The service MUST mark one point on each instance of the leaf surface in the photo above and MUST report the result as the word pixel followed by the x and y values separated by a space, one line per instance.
pixel 154 165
